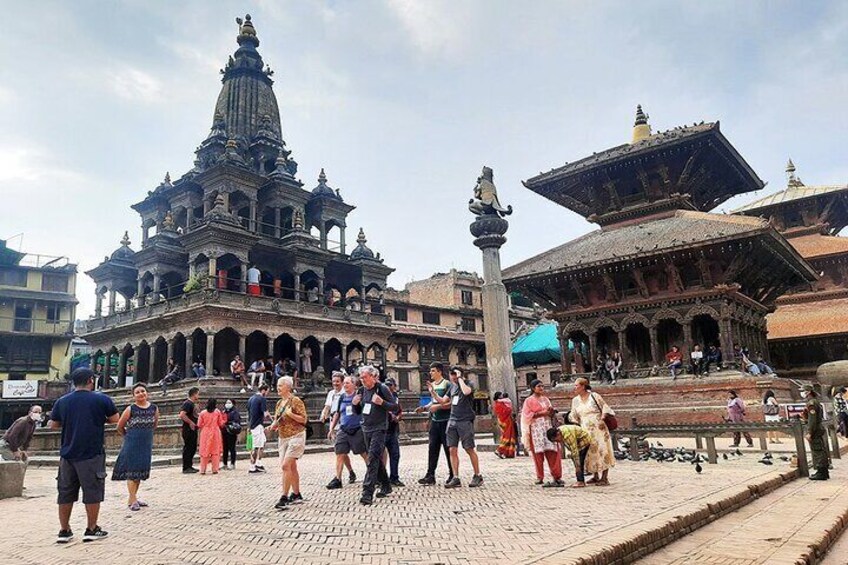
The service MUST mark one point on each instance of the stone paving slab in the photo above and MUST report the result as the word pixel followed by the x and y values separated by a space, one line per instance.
pixel 787 526
pixel 228 518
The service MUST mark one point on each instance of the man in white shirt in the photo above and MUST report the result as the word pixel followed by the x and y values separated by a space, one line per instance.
pixel 256 373
pixel 331 406
pixel 253 281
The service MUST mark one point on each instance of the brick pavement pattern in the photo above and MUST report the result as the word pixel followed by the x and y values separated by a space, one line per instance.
pixel 228 518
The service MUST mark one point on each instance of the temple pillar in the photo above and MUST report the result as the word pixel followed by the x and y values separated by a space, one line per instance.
pixel 171 344
pixel 726 339
pixel 213 271
pixel 252 216
pixel 192 270
pixel 243 281
pixel 210 353
pixel 98 304
pixel 189 356
pixel 156 284
pixel 107 369
pixel 323 232
pixel 242 347
pixel 655 345
pixel 297 286
pixel 593 349
pixel 622 348
pixel 342 250
pixel 151 364
pixel 122 368
pixel 112 297
pixel 564 357
pixel 140 292
pixel 687 339
pixel 321 291
pixel 278 222
pixel 320 359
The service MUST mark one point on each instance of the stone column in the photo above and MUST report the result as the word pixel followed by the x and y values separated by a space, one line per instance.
pixel 565 359
pixel 210 354
pixel 321 291
pixel 171 344
pixel 189 356
pixel 252 215
pixel 107 369
pixel 98 304
pixel 319 360
pixel 488 229
pixel 655 345
pixel 242 347
pixel 112 297
pixel 687 338
pixel 593 349
pixel 278 223
pixel 323 231
pixel 726 339
pixel 122 368
pixel 623 350
pixel 192 269
pixel 297 286
pixel 243 282
pixel 342 229
pixel 213 272
pixel 156 284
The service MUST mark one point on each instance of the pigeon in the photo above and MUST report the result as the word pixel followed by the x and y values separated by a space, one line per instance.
pixel 739 453
pixel 698 468
pixel 765 461
pixel 767 455
pixel 659 444
pixel 784 458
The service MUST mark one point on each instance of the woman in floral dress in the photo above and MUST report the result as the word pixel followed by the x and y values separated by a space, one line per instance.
pixel 136 424
pixel 536 420
pixel 588 409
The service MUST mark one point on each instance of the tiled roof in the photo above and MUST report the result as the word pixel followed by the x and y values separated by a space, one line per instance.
pixel 809 319
pixel 818 245
pixel 789 194
pixel 626 150
pixel 684 229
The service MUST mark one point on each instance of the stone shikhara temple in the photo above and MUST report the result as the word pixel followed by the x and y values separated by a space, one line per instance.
pixel 809 327
pixel 661 270
pixel 182 295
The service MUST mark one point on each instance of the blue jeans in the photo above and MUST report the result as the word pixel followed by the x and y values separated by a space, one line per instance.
pixel 393 445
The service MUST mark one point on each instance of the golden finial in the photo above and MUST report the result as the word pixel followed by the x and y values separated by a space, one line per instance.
pixel 641 128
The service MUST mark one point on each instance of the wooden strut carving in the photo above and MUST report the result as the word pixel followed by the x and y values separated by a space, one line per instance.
pixel 675 282
pixel 578 290
pixel 706 275
pixel 639 277
pixel 733 270
pixel 612 294
pixel 687 168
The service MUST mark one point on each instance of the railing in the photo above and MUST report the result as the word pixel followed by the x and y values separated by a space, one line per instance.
pixel 240 300
pixel 43 261
pixel 708 433
pixel 35 326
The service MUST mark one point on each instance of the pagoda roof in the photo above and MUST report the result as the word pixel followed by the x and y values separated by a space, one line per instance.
pixel 804 319
pixel 571 185
pixel 817 245
pixel 789 194
pixel 683 229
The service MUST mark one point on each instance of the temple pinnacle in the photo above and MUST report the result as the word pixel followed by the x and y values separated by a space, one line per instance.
pixel 791 178
pixel 360 239
pixel 641 128
pixel 125 241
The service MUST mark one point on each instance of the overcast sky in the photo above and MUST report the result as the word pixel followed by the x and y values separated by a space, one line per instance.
pixel 402 103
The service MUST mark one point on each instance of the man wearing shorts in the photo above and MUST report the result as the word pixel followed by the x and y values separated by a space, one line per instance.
pixel 331 406
pixel 346 430
pixel 81 415
pixel 461 427
pixel 290 422
pixel 257 409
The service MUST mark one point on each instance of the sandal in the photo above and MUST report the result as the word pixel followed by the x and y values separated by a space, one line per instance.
pixel 142 503
pixel 592 481
pixel 602 483
pixel 578 485
pixel 135 506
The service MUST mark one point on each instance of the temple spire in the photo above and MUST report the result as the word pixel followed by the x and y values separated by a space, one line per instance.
pixel 247 33
pixel 791 178
pixel 125 241
pixel 641 128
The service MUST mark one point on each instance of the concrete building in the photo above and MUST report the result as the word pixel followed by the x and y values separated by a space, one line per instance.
pixel 37 311
pixel 441 319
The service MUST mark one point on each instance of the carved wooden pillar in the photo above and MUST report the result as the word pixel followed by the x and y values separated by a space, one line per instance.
pixel 107 369
pixel 189 356
pixel 565 357
pixel 623 350
pixel 687 338
pixel 593 346
pixel 655 345
pixel 726 339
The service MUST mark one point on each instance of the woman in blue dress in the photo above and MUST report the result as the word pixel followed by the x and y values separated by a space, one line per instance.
pixel 136 425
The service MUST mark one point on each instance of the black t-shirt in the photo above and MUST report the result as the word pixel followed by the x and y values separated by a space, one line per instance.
pixel 375 417
pixel 462 405
pixel 191 413
pixel 82 414
pixel 257 405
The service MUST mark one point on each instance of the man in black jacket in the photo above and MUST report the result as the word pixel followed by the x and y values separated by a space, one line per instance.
pixel 374 402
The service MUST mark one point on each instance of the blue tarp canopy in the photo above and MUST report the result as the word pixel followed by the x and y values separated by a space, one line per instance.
pixel 537 347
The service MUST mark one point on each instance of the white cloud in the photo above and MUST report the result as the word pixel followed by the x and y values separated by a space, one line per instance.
pixel 136 85
pixel 23 164
pixel 436 28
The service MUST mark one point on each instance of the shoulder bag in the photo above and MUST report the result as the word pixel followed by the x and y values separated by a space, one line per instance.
pixel 610 420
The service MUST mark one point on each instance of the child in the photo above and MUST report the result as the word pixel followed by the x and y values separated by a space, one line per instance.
pixel 577 441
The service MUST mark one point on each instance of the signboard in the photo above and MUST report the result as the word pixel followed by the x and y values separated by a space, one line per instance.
pixel 20 389
pixel 795 410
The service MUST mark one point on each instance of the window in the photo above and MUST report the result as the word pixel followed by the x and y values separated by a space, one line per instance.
pixel 483 383
pixel 54 312
pixel 13 277
pixel 433 318
pixel 469 325
pixel 402 353
pixel 467 298
pixel 403 380
pixel 54 282
pixel 530 378
pixel 23 318
pixel 463 357
pixel 401 315
pixel 25 354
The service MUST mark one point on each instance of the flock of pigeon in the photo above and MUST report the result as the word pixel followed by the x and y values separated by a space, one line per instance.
pixel 661 454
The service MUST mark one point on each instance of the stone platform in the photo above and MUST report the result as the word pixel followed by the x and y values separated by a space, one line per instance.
pixel 228 518
pixel 661 400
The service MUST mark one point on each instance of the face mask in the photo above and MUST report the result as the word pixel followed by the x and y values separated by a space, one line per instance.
pixel 36 416
pixel 228 405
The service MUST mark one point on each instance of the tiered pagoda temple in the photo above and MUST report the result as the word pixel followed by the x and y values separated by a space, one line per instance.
pixel 661 270
pixel 809 328
pixel 240 207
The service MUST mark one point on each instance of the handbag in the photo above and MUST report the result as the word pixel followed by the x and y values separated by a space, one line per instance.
pixel 610 420
pixel 234 428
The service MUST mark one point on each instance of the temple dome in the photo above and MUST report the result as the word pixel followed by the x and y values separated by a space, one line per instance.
pixel 123 253
pixel 247 103
pixel 323 189
pixel 361 251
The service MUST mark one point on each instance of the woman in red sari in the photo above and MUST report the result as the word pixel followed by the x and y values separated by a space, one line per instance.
pixel 503 410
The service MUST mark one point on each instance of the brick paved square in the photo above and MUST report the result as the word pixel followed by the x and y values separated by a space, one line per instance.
pixel 229 517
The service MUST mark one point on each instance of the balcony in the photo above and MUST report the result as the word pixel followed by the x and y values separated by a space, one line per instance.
pixel 237 300
pixel 34 326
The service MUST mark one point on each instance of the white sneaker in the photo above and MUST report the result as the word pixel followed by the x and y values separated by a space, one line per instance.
pixel 231 466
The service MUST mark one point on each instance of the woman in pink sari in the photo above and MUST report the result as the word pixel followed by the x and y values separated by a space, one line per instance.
pixel 536 420
pixel 503 411
pixel 210 440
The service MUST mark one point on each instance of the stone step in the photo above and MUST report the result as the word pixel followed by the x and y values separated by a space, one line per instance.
pixel 796 523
